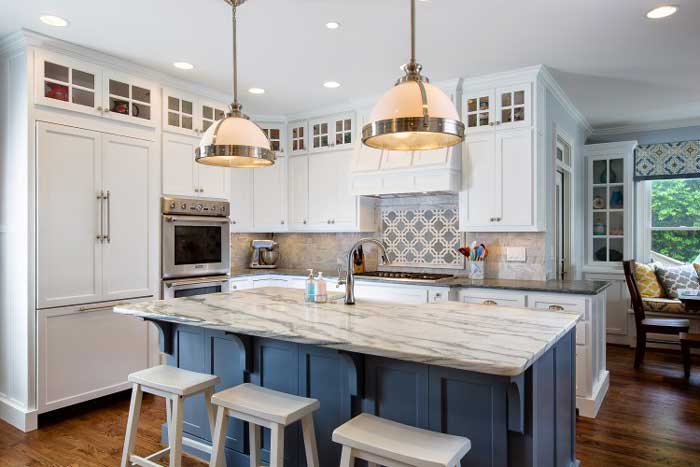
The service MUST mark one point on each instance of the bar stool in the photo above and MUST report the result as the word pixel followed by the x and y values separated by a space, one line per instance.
pixel 267 408
pixel 173 384
pixel 383 442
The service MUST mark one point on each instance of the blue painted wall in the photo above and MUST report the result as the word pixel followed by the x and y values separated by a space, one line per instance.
pixel 672 135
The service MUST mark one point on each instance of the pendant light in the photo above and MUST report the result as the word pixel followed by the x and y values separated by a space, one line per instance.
pixel 414 115
pixel 235 141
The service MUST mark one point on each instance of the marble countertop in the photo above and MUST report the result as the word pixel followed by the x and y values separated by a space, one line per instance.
pixel 551 286
pixel 485 339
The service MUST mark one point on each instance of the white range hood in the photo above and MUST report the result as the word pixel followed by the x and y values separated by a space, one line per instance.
pixel 384 173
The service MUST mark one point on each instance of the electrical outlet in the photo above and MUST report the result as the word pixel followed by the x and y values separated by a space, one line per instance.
pixel 516 254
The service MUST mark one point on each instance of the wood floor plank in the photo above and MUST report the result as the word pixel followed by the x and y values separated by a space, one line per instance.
pixel 651 417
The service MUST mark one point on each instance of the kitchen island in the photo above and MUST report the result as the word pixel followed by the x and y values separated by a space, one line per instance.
pixel 504 377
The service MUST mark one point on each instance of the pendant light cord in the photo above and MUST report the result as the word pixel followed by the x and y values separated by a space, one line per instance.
pixel 413 32
pixel 235 57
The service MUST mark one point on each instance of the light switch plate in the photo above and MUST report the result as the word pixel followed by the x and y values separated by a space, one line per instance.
pixel 516 254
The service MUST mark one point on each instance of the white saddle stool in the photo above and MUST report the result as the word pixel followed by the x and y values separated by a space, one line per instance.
pixel 173 384
pixel 383 442
pixel 267 408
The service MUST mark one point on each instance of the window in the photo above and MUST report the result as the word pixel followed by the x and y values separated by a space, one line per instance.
pixel 674 218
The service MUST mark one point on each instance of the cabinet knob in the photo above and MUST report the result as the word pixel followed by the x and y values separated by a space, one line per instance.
pixel 333 221
pixel 304 221
pixel 100 109
pixel 233 222
pixel 282 222
pixel 489 302
pixel 234 287
pixel 328 221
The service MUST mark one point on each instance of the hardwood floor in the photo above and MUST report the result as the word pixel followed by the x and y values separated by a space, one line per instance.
pixel 650 417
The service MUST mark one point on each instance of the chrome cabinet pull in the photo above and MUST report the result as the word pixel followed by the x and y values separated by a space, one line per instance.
pixel 100 197
pixel 489 302
pixel 108 198
pixel 555 308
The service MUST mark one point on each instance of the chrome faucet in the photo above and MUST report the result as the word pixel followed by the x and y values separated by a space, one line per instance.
pixel 350 276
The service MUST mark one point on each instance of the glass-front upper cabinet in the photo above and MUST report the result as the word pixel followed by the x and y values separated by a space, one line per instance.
pixel 297 137
pixel 513 106
pixel 179 112
pixel 336 132
pixel 274 134
pixel 66 83
pixel 320 135
pixel 131 99
pixel 209 112
pixel 344 126
pixel 478 109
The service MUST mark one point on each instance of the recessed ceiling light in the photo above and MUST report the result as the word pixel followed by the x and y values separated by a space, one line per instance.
pixel 331 84
pixel 183 65
pixel 256 91
pixel 333 25
pixel 663 11
pixel 52 20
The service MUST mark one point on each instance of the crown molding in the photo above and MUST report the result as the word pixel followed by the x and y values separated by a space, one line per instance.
pixel 644 127
pixel 564 99
pixel 12 43
pixel 606 148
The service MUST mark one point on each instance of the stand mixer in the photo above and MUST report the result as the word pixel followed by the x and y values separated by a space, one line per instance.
pixel 265 254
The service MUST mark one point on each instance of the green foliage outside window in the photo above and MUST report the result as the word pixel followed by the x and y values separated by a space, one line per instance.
pixel 676 203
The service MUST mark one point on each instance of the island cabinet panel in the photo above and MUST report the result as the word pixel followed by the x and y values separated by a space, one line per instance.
pixel 460 401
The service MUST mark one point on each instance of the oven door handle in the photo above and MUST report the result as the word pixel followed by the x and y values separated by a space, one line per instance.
pixel 170 284
pixel 197 219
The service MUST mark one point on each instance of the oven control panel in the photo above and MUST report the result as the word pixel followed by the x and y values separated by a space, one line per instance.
pixel 194 207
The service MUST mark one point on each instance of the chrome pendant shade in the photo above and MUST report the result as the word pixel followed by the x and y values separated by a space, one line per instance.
pixel 414 115
pixel 234 141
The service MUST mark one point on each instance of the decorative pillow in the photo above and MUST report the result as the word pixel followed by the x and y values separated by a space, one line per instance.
pixel 647 281
pixel 677 277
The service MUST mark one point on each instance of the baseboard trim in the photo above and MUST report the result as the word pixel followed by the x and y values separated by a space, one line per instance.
pixel 20 418
pixel 589 406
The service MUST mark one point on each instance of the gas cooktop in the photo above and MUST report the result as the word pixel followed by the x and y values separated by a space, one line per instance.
pixel 405 276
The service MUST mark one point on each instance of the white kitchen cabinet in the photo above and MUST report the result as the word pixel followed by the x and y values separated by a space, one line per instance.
pixel 182 176
pixel 179 112
pixel 504 107
pixel 298 137
pixel 127 98
pixel 95 234
pixel 332 132
pixel 497 182
pixel 209 112
pixel 241 200
pixel 492 297
pixel 478 109
pixel 299 192
pixel 275 135
pixel 241 284
pixel 87 352
pixel 270 197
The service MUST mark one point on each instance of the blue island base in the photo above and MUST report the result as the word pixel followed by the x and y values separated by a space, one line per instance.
pixel 526 420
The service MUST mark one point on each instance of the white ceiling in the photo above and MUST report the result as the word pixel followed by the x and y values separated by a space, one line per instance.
pixel 618 67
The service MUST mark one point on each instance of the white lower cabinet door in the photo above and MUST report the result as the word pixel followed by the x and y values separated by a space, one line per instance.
pixel 69 260
pixel 270 197
pixel 241 200
pixel 129 212
pixel 393 294
pixel 515 195
pixel 85 354
pixel 477 198
pixel 179 176
pixel 258 283
pixel 212 182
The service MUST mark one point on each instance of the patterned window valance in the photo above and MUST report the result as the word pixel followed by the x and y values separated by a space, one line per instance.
pixel 667 160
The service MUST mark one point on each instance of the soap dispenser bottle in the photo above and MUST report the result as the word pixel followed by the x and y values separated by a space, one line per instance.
pixel 321 289
pixel 310 287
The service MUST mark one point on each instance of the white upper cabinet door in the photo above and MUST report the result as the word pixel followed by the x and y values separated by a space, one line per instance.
pixel 322 189
pixel 212 181
pixel 513 106
pixel 130 99
pixel 479 109
pixel 66 83
pixel 479 178
pixel 275 135
pixel 344 131
pixel 298 137
pixel 270 197
pixel 516 184
pixel 179 172
pixel 241 200
pixel 209 112
pixel 299 192
pixel 320 135
pixel 128 209
pixel 69 262
pixel 179 112
pixel 345 207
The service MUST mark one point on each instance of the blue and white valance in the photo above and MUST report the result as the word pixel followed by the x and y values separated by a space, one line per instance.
pixel 667 160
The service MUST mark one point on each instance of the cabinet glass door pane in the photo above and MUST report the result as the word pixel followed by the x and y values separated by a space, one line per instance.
pixel 56 72
pixel 141 94
pixel 117 88
pixel 478 111
pixel 512 106
pixel 617 167
pixel 600 172
pixel 83 79
pixel 600 249
pixel 82 97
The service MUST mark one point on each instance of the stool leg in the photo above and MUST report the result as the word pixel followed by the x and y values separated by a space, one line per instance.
pixel 277 446
pixel 686 359
pixel 307 427
pixel 218 438
pixel 169 419
pixel 254 444
pixel 347 458
pixel 176 439
pixel 132 424
pixel 208 393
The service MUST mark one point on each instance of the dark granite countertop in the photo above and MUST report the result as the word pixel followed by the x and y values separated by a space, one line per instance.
pixel 551 286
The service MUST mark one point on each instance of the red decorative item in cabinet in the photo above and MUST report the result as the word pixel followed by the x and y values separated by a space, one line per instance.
pixel 56 91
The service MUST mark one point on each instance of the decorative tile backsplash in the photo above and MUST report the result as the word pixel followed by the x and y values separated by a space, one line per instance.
pixel 421 235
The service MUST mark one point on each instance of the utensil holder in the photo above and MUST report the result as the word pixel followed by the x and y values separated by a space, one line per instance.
pixel 476 269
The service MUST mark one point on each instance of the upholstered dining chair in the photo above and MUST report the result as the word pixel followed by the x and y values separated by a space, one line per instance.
pixel 644 325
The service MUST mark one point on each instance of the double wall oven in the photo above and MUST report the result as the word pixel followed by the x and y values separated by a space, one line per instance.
pixel 195 246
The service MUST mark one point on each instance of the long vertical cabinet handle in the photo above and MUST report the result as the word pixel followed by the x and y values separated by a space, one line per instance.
pixel 108 197
pixel 100 197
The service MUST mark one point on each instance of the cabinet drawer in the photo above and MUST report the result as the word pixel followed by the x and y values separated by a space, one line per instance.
pixel 408 295
pixel 438 295
pixel 492 297
pixel 241 284
pixel 257 283
pixel 559 303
